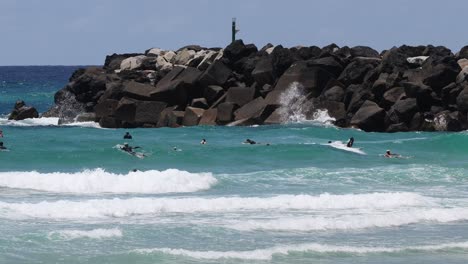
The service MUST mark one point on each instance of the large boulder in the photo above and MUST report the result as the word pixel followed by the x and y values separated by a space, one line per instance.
pixel 355 72
pixel 177 86
pixel 148 112
pixel 125 110
pixel 391 96
pixel 281 58
pixel 184 56
pixel 209 117
pixel 216 74
pixel 88 85
pixel 313 79
pixel 364 51
pixel 21 112
pixel 462 100
pixel 439 72
pixel 330 64
pixel 263 72
pixel 236 51
pixel 132 63
pixel 253 110
pixel 213 93
pixel 405 109
pixel 463 53
pixel 137 90
pixel 335 93
pixel 114 61
pixel 370 117
pixel 192 116
pixel 225 112
pixel 105 108
pixel 421 92
pixel 240 95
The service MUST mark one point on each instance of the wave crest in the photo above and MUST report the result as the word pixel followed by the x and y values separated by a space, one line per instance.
pixel 101 181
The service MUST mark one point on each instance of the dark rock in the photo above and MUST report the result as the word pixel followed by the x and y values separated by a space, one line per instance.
pixel 253 110
pixel 359 95
pixel 400 127
pixel 394 60
pixel 282 59
pixel 438 51
pixel 334 109
pixel 363 51
pixel 137 90
pixel 329 64
pixel 449 94
pixel 192 116
pixel 370 117
pixel 463 53
pixel 21 111
pixel 274 118
pixel 237 50
pixel 336 93
pixel 405 109
pixel 263 72
pixel 148 111
pixel 105 108
pixel 216 74
pixel 311 79
pixel 385 82
pixel 307 53
pixel 391 96
pixel 226 112
pixel 109 122
pixel 213 93
pixel 163 120
pixel 125 110
pixel 175 118
pixel 462 100
pixel 439 72
pixel 421 92
pixel 355 72
pixel 240 95
pixel 209 117
pixel 88 84
pixel 199 103
pixel 176 87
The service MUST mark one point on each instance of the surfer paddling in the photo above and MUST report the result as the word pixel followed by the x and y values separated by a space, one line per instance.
pixel 388 154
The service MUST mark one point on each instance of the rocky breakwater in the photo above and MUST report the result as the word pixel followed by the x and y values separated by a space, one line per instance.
pixel 402 89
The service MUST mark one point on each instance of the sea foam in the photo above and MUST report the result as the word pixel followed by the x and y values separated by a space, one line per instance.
pixel 101 181
pixel 104 208
pixel 269 253
pixel 91 234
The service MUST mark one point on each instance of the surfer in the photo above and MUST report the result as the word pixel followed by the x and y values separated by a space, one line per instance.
pixel 128 148
pixel 388 154
pixel 1 146
pixel 127 136
pixel 203 142
pixel 350 142
pixel 249 141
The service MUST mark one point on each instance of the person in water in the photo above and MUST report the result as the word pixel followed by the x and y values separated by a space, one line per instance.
pixel 388 154
pixel 127 136
pixel 1 145
pixel 128 148
pixel 350 142
pixel 249 141
pixel 203 142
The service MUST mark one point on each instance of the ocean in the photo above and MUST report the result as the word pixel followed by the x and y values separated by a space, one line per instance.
pixel 68 195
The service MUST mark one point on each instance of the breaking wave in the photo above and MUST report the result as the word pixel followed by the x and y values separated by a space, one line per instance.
pixel 91 234
pixel 101 181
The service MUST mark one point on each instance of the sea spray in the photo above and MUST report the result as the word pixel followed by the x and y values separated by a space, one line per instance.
pixel 297 108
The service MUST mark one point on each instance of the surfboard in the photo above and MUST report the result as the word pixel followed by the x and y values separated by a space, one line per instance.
pixel 342 146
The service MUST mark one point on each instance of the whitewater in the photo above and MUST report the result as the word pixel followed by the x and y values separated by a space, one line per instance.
pixel 68 196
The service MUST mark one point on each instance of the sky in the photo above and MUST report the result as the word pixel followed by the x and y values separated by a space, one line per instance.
pixel 66 32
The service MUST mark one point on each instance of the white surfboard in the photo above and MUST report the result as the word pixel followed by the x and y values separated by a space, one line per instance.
pixel 342 146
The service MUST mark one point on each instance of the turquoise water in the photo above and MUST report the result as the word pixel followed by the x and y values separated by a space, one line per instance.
pixel 68 195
